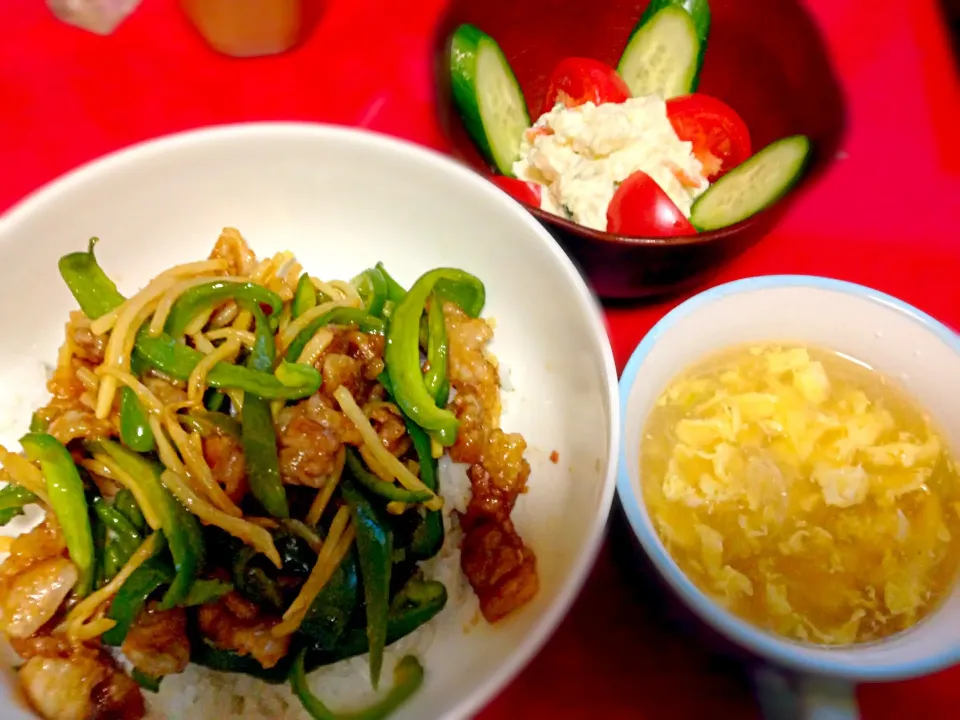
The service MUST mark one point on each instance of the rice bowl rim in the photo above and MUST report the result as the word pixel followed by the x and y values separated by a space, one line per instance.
pixel 47 197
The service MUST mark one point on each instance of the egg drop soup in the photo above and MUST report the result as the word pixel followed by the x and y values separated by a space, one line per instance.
pixel 805 492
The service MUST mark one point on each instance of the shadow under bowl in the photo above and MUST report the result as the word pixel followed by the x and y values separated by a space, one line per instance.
pixel 765 58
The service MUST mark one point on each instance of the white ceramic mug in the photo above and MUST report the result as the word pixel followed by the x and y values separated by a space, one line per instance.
pixel 896 339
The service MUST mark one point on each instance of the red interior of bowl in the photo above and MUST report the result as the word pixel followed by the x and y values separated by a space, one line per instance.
pixel 765 58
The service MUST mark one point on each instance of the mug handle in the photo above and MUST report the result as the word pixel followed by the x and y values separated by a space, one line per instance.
pixel 789 696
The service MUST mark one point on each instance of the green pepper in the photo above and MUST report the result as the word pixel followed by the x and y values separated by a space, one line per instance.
pixel 415 605
pixel 395 291
pixel 37 423
pixel 69 502
pixel 133 594
pixel 305 296
pixel 179 527
pixel 372 287
pixel 93 290
pixel 289 381
pixel 388 490
pixel 258 433
pixel 467 293
pixel 147 682
pixel 126 504
pixel 114 559
pixel 126 534
pixel 203 592
pixel 13 498
pixel 97 295
pixel 206 422
pixel 252 579
pixel 375 548
pixel 407 678
pixel 135 430
pixel 337 316
pixel 204 654
pixel 402 354
pixel 435 378
pixel 428 536
pixel 202 297
pixel 214 400
pixel 330 612
pixel 296 552
pixel 99 551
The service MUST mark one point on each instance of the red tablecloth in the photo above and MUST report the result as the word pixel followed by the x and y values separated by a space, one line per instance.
pixel 886 215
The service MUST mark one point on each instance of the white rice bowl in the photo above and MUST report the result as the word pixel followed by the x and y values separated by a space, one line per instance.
pixel 307 188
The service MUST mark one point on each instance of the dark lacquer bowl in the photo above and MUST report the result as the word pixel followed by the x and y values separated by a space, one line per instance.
pixel 765 58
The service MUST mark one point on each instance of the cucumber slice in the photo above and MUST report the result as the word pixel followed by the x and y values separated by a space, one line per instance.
pixel 752 186
pixel 699 10
pixel 663 55
pixel 487 96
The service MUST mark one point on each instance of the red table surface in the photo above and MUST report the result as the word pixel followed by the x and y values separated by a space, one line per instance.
pixel 885 215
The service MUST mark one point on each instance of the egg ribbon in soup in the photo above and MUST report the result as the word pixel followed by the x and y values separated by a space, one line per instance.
pixel 805 492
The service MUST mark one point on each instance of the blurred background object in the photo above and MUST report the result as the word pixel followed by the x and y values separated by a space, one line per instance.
pixel 951 10
pixel 98 16
pixel 248 28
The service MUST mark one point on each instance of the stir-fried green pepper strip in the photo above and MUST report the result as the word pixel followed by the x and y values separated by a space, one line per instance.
pixel 395 291
pixel 202 297
pixel 206 591
pixel 338 316
pixel 258 433
pixel 375 548
pixel 467 293
pixel 126 534
pixel 97 295
pixel 214 400
pixel 289 381
pixel 372 287
pixel 69 502
pixel 428 536
pixel 254 583
pixel 407 678
pixel 114 558
pixel 179 527
pixel 147 682
pixel 384 489
pixel 205 423
pixel 126 504
pixel 435 378
pixel 402 354
pixel 416 604
pixel 305 296
pixel 135 430
pixel 13 498
pixel 38 424
pixel 93 290
pixel 202 653
pixel 133 594
pixel 99 551
pixel 330 612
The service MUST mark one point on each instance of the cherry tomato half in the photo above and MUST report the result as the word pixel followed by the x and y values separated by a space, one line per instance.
pixel 525 192
pixel 575 81
pixel 640 208
pixel 720 138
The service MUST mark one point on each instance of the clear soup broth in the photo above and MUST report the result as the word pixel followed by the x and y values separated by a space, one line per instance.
pixel 806 492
